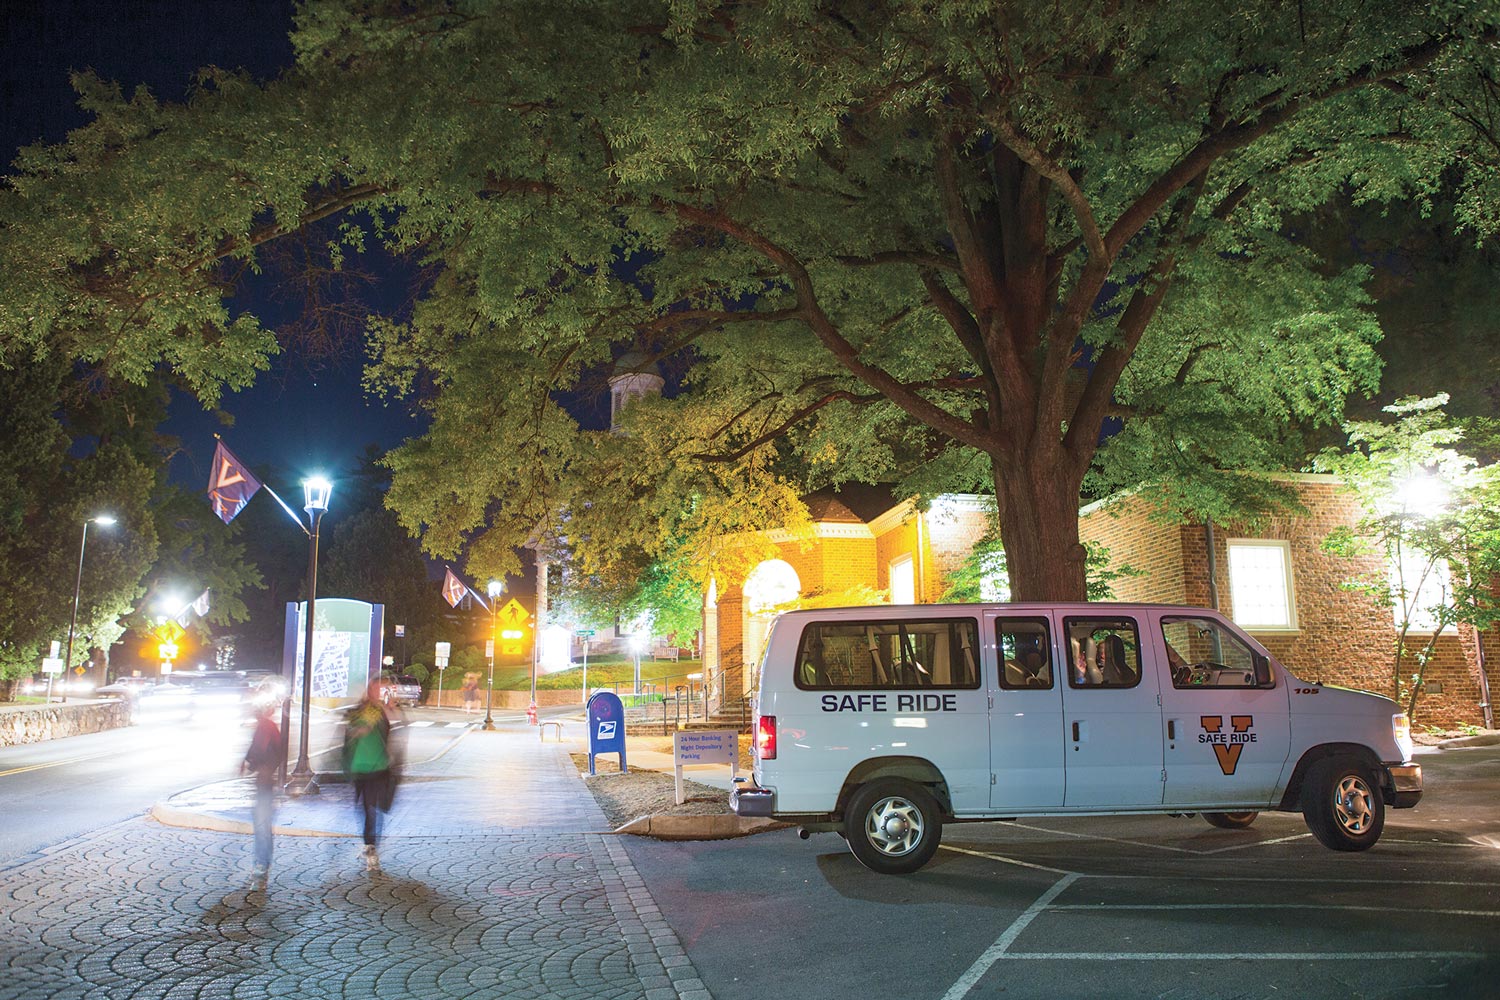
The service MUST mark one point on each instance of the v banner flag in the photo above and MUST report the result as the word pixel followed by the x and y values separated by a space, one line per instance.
pixel 453 589
pixel 230 484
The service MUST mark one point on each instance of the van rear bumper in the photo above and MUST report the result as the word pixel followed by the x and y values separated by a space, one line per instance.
pixel 1406 779
pixel 752 800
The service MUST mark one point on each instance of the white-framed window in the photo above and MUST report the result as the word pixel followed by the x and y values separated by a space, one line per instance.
pixel 1418 584
pixel 1260 583
pixel 903 580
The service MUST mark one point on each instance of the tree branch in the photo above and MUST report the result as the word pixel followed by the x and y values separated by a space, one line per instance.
pixel 824 328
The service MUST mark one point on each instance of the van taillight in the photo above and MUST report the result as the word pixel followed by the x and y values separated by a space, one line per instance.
pixel 765 737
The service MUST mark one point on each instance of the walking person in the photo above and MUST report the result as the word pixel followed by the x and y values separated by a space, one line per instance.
pixel 471 693
pixel 371 759
pixel 262 760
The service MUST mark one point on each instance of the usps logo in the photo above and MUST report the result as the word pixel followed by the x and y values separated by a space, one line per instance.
pixel 606 729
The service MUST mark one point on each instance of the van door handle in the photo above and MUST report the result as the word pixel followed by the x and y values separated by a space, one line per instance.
pixel 1075 732
pixel 1171 729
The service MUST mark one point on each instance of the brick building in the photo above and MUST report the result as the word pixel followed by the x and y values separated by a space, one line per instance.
pixel 1272 578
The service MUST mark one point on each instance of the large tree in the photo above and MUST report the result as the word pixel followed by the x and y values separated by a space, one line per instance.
pixel 948 242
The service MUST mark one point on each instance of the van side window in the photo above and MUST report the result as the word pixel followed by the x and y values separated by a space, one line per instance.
pixel 1103 652
pixel 1202 653
pixel 1025 653
pixel 890 654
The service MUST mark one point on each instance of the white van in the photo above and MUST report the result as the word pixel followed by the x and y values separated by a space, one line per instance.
pixel 885 722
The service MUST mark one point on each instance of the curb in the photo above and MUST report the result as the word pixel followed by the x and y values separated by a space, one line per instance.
pixel 718 827
pixel 187 819
pixel 1482 740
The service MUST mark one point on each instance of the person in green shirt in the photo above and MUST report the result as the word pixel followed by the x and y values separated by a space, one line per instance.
pixel 371 760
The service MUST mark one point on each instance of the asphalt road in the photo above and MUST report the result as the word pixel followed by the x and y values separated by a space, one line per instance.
pixel 1108 907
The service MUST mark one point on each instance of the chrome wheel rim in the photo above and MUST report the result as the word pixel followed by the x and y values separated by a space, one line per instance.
pixel 1351 805
pixel 894 826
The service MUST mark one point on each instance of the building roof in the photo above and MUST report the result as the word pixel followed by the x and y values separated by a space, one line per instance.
pixel 851 503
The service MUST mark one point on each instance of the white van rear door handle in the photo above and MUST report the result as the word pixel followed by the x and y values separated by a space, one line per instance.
pixel 1080 732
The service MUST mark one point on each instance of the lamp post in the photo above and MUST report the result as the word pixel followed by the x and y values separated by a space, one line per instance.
pixel 316 492
pixel 495 589
pixel 103 520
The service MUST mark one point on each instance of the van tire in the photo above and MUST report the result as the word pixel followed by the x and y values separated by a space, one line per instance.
pixel 1231 821
pixel 893 826
pixel 1342 804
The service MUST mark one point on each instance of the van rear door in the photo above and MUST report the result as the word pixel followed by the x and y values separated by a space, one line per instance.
pixel 1026 744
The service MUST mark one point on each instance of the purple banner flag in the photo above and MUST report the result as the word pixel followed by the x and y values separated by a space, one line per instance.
pixel 453 589
pixel 230 484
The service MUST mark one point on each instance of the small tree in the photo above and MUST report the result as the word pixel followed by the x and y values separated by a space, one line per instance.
pixel 1433 513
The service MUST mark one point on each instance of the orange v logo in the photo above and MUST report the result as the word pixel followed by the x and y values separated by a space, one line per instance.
pixel 1227 753
pixel 229 474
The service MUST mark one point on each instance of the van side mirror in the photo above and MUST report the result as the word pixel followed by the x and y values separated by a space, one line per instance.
pixel 1262 671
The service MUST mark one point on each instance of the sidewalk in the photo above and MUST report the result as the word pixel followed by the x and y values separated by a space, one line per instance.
pixel 537 787
pixel 498 878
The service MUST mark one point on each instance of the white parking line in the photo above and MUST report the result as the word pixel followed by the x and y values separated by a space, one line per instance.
pixel 1232 956
pixel 996 951
pixel 1339 908
pixel 1003 858
pixel 420 723
pixel 1000 950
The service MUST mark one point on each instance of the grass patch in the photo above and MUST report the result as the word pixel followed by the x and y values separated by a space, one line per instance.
pixel 609 672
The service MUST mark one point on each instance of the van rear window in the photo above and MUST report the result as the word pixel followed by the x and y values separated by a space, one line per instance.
pixel 890 655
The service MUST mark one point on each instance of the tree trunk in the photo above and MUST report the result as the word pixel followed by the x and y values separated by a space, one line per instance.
pixel 1038 512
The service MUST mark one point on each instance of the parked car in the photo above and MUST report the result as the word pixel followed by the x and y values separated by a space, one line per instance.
pixel 127 687
pixel 401 689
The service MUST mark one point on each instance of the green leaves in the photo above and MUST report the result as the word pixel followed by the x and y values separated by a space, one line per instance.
pixel 890 241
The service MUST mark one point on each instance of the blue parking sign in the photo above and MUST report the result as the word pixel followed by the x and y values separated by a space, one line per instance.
pixel 606 715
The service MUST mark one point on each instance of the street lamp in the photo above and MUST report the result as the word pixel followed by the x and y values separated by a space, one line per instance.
pixel 316 492
pixel 495 589
pixel 104 521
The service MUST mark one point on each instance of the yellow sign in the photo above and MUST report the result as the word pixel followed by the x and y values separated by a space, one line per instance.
pixel 513 615
pixel 169 631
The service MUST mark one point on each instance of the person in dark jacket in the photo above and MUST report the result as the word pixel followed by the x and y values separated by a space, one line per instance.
pixel 262 760
pixel 372 759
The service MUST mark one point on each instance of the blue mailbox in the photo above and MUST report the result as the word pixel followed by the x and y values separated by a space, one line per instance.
pixel 606 727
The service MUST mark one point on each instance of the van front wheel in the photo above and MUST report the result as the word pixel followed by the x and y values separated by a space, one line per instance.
pixel 893 826
pixel 1343 805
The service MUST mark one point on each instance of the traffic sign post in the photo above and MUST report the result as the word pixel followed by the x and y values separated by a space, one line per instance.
pixel 439 660
pixel 51 666
pixel 585 634
pixel 586 669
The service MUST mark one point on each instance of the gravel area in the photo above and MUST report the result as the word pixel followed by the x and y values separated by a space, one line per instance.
pixel 636 793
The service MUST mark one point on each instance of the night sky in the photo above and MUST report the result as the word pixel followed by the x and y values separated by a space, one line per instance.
pixel 301 417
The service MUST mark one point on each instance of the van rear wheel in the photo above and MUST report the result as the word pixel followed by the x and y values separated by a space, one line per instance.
pixel 1230 821
pixel 893 826
pixel 1343 804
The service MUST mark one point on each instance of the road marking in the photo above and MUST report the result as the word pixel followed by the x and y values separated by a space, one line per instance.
pixel 58 763
pixel 1232 956
pixel 459 725
pixel 997 951
pixel 1340 908
pixel 420 723
pixel 1003 858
